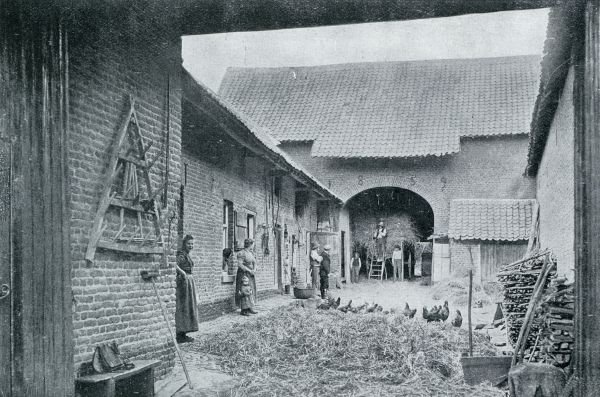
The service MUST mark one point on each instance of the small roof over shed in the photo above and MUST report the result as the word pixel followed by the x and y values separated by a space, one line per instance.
pixel 388 109
pixel 490 219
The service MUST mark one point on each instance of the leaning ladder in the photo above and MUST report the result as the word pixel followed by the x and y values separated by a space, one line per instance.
pixel 376 268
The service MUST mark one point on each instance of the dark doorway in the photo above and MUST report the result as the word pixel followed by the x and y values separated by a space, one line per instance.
pixel 407 217
pixel 343 253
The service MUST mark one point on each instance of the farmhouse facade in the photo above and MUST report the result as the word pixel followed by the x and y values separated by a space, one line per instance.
pixel 238 184
pixel 442 130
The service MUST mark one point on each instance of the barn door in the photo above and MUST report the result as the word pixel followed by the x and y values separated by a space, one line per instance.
pixel 6 321
pixel 495 254
pixel 36 330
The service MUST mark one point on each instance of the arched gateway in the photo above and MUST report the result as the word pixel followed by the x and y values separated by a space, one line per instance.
pixel 408 220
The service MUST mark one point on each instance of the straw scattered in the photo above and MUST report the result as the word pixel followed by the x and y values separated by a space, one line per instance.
pixel 294 351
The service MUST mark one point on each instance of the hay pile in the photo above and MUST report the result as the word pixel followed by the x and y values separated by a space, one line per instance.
pixel 295 351
pixel 456 290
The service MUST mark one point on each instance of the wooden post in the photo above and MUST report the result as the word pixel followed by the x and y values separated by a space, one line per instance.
pixel 469 312
pixel 586 101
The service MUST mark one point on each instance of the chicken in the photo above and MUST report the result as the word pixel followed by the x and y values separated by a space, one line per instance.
pixel 372 308
pixel 445 311
pixel 345 309
pixel 434 314
pixel 359 308
pixel 329 303
pixel 457 321
pixel 337 303
pixel 425 313
pixel 408 312
pixel 379 308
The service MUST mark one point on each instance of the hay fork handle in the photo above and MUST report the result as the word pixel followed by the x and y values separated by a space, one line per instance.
pixel 187 376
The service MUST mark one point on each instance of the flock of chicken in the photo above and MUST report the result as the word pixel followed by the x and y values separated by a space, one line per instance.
pixel 437 313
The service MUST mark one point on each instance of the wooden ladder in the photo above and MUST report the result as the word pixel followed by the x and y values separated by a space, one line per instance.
pixel 376 268
pixel 123 191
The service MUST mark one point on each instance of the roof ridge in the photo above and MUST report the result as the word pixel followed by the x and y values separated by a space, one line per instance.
pixel 338 66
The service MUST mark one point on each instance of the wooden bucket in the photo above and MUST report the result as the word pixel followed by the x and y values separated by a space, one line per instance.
pixel 304 293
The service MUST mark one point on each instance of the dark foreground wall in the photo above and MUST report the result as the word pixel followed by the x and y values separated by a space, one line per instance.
pixel 109 62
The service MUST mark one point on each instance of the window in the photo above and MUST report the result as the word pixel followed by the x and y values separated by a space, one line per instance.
pixel 227 224
pixel 250 225
pixel 323 216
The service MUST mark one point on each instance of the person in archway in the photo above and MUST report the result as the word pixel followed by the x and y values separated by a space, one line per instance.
pixel 315 264
pixel 246 267
pixel 324 270
pixel 380 238
pixel 355 265
pixel 186 305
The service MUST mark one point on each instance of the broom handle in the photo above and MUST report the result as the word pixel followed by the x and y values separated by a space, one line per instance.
pixel 469 312
pixel 187 376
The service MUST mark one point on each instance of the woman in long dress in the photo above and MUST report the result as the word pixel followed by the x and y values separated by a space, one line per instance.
pixel 246 267
pixel 186 305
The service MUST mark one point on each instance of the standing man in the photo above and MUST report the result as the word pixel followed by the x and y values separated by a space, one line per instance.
pixel 380 238
pixel 355 268
pixel 398 262
pixel 315 264
pixel 324 271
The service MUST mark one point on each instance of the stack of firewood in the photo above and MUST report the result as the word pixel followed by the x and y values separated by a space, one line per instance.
pixel 518 280
pixel 556 336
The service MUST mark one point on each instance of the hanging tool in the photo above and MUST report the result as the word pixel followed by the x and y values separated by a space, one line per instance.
pixel 152 275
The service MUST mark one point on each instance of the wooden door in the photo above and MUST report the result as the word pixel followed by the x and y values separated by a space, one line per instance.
pixel 278 260
pixel 34 118
pixel 343 253
pixel 6 321
pixel 497 253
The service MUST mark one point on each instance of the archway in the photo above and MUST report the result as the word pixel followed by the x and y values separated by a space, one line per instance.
pixel 407 216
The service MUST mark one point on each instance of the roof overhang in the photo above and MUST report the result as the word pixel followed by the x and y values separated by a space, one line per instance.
pixel 555 67
pixel 207 103
pixel 220 16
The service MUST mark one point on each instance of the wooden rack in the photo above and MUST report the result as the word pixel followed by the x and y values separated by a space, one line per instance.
pixel 128 158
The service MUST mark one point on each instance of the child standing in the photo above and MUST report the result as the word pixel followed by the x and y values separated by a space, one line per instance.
pixel 355 265
pixel 397 259
pixel 246 301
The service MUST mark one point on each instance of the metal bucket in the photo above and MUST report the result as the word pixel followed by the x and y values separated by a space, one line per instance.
pixel 480 369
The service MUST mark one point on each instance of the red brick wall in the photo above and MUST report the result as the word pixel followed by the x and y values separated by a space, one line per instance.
pixel 556 184
pixel 107 64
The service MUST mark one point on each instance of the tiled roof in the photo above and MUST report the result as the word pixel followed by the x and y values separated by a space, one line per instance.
pixel 488 219
pixel 388 109
pixel 261 134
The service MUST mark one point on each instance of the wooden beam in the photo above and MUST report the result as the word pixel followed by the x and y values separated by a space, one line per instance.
pixel 218 16
pixel 586 101
pixel 278 172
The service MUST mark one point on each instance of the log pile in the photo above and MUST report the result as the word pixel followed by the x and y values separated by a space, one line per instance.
pixel 556 336
pixel 518 280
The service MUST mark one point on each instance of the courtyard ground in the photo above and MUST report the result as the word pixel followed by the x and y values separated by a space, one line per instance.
pixel 209 380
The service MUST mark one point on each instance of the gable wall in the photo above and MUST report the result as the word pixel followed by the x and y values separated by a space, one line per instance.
pixel 556 185
pixel 484 168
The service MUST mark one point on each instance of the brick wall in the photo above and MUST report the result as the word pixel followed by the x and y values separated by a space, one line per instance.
pixel 484 168
pixel 556 184
pixel 107 64
pixel 244 181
